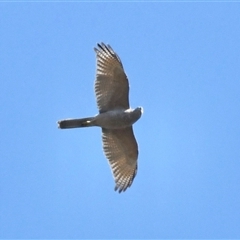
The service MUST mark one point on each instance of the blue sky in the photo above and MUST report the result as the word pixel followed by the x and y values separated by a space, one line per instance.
pixel 183 64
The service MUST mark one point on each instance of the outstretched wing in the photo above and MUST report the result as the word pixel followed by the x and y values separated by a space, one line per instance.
pixel 121 150
pixel 111 84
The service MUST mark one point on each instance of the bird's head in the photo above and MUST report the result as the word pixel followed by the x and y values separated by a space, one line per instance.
pixel 138 111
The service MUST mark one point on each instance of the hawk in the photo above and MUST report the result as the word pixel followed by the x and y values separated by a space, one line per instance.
pixel 115 117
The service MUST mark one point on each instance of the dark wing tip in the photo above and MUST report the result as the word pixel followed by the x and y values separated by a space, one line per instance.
pixel 123 187
pixel 119 189
pixel 107 49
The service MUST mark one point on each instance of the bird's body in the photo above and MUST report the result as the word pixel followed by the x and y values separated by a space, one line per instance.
pixel 115 117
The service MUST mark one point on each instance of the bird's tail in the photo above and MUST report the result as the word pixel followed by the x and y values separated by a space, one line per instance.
pixel 76 123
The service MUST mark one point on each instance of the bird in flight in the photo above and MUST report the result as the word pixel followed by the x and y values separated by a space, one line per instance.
pixel 115 117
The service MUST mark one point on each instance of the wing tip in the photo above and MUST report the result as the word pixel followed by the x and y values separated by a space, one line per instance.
pixel 123 187
pixel 120 189
pixel 106 50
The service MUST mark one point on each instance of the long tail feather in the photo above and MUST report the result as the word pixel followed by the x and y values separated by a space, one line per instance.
pixel 75 123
